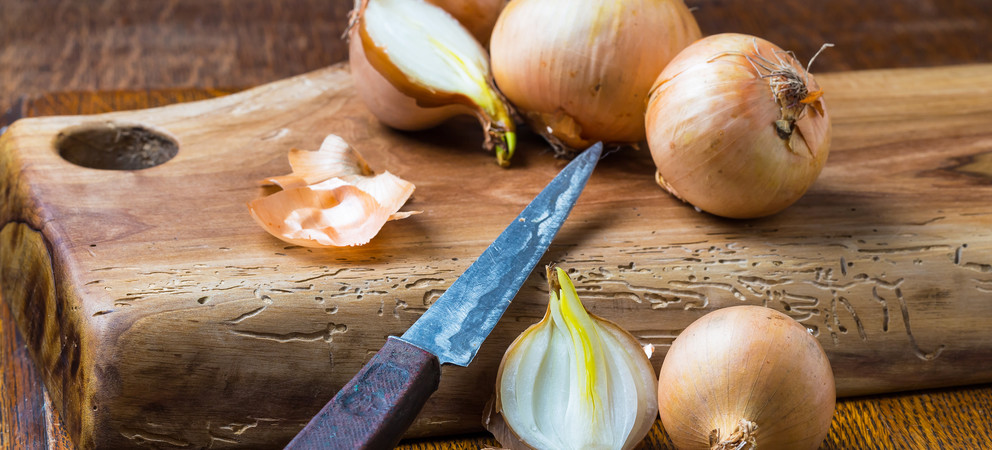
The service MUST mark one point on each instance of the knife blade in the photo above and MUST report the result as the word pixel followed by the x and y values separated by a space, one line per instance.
pixel 379 403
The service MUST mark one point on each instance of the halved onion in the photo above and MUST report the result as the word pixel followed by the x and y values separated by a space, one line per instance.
pixel 415 65
pixel 573 380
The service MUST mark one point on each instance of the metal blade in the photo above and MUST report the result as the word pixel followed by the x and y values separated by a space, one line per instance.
pixel 455 326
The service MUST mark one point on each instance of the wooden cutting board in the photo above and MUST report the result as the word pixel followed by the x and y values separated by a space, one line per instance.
pixel 159 313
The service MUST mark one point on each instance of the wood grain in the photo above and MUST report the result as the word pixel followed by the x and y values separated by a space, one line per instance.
pixel 108 44
pixel 22 396
pixel 57 45
pixel 150 300
pixel 71 45
pixel 942 418
pixel 27 417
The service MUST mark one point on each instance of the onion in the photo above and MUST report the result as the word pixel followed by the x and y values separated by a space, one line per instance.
pixel 580 70
pixel 572 381
pixel 746 377
pixel 478 16
pixel 415 66
pixel 737 127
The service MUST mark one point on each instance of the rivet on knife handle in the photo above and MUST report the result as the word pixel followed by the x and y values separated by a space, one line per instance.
pixel 374 409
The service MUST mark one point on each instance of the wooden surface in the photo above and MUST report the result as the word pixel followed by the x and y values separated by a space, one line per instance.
pixel 116 45
pixel 180 290
pixel 945 418
pixel 73 45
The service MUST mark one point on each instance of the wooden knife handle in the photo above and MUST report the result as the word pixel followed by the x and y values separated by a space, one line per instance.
pixel 374 409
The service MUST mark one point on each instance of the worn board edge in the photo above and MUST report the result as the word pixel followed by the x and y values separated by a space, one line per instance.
pixel 882 74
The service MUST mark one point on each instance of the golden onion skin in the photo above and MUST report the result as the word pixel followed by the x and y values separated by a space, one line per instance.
pixel 580 70
pixel 711 128
pixel 752 363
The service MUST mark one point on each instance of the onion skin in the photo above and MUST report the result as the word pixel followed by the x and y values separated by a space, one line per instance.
pixel 712 131
pixel 478 16
pixel 580 70
pixel 751 363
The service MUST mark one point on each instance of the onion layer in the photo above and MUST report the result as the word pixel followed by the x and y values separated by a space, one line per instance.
pixel 573 381
pixel 580 70
pixel 746 377
pixel 737 127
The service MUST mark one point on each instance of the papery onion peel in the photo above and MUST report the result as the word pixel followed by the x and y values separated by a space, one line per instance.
pixel 331 199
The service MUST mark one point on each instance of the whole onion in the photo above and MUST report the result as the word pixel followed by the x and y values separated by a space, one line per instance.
pixel 579 71
pixel 746 377
pixel 737 127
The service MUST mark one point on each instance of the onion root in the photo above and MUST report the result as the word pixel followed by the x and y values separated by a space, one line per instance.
pixel 744 437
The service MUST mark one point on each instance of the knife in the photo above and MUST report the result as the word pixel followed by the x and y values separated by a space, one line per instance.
pixel 381 401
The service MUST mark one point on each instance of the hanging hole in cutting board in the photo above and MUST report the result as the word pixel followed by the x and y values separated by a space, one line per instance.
pixel 115 146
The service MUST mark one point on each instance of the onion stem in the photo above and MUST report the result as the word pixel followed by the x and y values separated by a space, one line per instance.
pixel 788 85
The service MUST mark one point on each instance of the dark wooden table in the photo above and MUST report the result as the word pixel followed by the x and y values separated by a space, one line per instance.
pixel 89 56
